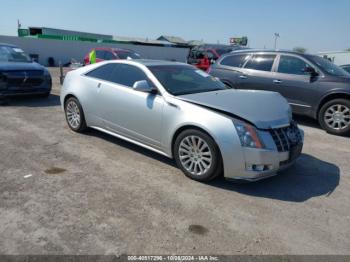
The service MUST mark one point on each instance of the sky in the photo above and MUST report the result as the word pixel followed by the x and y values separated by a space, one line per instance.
pixel 317 25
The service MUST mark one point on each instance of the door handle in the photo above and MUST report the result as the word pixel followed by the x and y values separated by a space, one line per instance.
pixel 243 77
pixel 277 81
pixel 99 85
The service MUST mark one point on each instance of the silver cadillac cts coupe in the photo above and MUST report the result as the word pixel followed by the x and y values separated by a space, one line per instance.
pixel 181 112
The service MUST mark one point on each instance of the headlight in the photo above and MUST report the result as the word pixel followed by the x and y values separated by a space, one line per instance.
pixel 248 135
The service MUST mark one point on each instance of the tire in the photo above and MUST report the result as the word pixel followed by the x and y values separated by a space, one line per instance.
pixel 74 115
pixel 334 117
pixel 202 169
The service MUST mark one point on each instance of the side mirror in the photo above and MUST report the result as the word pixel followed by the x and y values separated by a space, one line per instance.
pixel 311 71
pixel 143 86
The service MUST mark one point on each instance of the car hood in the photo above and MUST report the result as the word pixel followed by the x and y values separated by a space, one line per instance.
pixel 9 66
pixel 262 108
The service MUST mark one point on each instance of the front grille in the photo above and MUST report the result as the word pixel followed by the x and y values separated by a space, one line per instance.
pixel 20 82
pixel 28 78
pixel 286 138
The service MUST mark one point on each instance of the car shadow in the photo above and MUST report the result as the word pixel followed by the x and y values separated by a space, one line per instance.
pixel 120 142
pixel 310 122
pixel 32 101
pixel 307 121
pixel 309 177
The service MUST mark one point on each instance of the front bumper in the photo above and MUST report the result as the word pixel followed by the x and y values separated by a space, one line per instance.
pixel 270 160
pixel 12 91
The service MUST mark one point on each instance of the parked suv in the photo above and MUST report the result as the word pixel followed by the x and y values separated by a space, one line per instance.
pixel 204 55
pixel 312 85
pixel 107 53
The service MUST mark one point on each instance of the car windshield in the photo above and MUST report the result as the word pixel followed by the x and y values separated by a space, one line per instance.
pixel 12 54
pixel 128 55
pixel 328 66
pixel 182 79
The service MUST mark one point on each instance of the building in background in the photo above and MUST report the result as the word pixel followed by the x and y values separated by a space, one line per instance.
pixel 51 46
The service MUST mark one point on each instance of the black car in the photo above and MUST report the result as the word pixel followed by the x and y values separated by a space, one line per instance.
pixel 346 68
pixel 312 85
pixel 20 76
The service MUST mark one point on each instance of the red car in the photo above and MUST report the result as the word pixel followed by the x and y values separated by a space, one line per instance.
pixel 107 53
pixel 205 55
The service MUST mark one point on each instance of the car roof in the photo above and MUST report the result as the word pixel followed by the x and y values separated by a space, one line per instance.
pixel 150 62
pixel 9 45
pixel 114 49
pixel 146 62
pixel 285 51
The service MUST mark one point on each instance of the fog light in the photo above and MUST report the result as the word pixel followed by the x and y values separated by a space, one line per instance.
pixel 257 167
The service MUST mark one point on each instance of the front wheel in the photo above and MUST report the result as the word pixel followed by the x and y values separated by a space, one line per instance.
pixel 74 115
pixel 197 155
pixel 334 117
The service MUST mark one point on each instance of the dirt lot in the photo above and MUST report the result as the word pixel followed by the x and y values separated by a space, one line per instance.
pixel 67 193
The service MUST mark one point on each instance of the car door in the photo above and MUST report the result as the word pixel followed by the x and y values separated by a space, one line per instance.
pixel 257 72
pixel 229 69
pixel 132 113
pixel 296 85
pixel 90 97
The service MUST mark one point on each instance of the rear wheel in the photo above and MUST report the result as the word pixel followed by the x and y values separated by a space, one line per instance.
pixel 74 115
pixel 334 116
pixel 197 155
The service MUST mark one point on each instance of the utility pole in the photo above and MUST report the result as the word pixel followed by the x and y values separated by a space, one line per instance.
pixel 277 35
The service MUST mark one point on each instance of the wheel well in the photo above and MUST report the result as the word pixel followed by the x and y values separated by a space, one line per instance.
pixel 67 97
pixel 183 128
pixel 332 97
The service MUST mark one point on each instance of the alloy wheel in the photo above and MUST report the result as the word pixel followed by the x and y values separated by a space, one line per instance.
pixel 337 117
pixel 73 114
pixel 195 155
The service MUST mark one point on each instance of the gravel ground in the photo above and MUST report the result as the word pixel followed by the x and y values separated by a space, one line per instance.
pixel 68 193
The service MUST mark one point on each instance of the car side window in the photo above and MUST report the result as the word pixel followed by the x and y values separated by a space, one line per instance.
pixel 201 54
pixel 210 55
pixel 292 65
pixel 235 60
pixel 261 62
pixel 100 54
pixel 109 56
pixel 103 72
pixel 127 75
